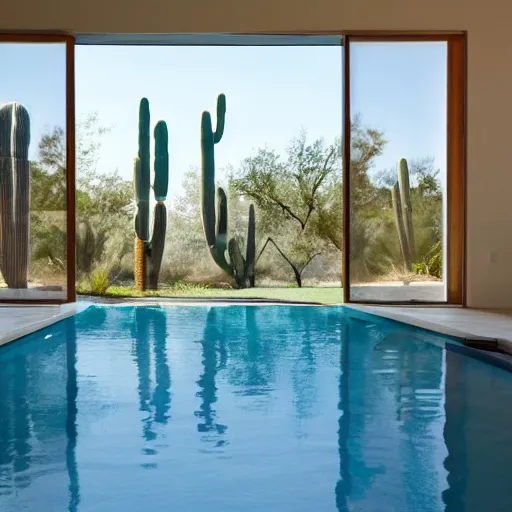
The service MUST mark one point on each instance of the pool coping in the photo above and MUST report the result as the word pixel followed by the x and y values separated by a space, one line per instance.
pixel 503 358
pixel 455 336
pixel 64 311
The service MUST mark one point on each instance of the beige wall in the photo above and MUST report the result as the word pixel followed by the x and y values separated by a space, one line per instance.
pixel 489 87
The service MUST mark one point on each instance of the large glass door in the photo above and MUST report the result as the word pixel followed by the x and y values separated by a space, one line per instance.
pixel 403 170
pixel 37 199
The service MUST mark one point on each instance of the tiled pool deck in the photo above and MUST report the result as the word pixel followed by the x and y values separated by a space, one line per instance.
pixel 18 321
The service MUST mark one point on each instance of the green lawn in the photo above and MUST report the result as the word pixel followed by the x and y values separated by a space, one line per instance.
pixel 332 295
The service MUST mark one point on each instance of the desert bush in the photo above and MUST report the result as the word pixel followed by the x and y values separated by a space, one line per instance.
pixel 99 280
pixel 48 239
pixel 431 263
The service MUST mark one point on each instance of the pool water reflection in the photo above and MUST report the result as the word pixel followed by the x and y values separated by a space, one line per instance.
pixel 249 408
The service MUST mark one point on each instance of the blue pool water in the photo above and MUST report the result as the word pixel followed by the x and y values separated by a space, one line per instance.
pixel 247 408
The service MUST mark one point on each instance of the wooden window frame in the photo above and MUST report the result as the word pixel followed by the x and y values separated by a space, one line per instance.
pixel 69 41
pixel 456 153
pixel 456 161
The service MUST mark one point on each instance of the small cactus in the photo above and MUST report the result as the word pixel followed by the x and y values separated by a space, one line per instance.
pixel 402 209
pixel 215 223
pixel 14 194
pixel 149 249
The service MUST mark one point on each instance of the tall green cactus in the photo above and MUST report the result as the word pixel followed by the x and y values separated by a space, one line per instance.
pixel 14 194
pixel 402 208
pixel 215 223
pixel 149 248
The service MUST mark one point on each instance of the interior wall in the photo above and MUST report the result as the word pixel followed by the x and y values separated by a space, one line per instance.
pixel 489 183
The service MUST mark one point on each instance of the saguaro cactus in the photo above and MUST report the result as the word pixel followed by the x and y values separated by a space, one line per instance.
pixel 402 208
pixel 149 249
pixel 14 194
pixel 215 223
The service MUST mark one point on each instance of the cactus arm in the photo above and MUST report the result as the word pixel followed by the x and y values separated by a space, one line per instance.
pixel 251 247
pixel 161 183
pixel 221 233
pixel 208 179
pixel 157 245
pixel 142 215
pixel 405 199
pixel 143 154
pixel 221 116
pixel 142 174
pixel 399 222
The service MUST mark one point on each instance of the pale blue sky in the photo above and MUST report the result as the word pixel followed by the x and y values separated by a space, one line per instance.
pixel 272 92
pixel 35 76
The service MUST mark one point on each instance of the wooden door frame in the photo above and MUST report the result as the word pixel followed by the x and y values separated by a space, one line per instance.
pixel 456 151
pixel 69 41
pixel 456 158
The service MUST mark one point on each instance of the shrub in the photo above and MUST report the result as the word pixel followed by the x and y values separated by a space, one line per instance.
pixel 432 263
pixel 99 280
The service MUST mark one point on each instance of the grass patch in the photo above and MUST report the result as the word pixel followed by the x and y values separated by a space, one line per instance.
pixel 326 295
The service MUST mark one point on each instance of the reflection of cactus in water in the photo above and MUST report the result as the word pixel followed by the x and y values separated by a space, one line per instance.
pixel 256 378
pixel 215 224
pixel 72 410
pixel 212 345
pixel 149 250
pixel 304 369
pixel 142 360
pixel 15 433
pixel 14 194
pixel 343 486
pixel 151 324
pixel 402 209
pixel 162 395
pixel 21 417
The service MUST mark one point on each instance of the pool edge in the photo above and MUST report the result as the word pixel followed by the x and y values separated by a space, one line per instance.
pixel 65 311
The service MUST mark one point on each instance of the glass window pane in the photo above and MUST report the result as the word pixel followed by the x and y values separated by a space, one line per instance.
pixel 33 235
pixel 280 151
pixel 398 171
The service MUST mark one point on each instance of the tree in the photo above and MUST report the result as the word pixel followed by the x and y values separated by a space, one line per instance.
pixel 289 193
pixel 103 201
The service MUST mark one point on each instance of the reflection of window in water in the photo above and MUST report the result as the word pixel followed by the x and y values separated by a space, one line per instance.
pixel 391 399
pixel 38 416
pixel 478 435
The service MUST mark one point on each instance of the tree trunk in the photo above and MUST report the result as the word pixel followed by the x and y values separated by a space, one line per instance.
pixel 400 228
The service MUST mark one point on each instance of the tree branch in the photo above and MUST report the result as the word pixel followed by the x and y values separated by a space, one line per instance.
pixel 294 268
pixel 316 185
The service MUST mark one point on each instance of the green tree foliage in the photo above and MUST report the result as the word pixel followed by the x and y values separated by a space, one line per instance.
pixel 288 194
pixel 300 202
pixel 103 201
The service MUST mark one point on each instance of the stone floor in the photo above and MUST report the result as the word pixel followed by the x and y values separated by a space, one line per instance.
pixel 34 293
pixel 17 321
pixel 397 292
